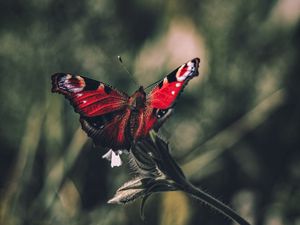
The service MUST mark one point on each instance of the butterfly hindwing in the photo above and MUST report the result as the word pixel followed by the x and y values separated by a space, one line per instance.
pixel 89 97
pixel 110 130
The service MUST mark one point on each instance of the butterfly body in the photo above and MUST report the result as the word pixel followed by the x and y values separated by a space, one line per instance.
pixel 112 118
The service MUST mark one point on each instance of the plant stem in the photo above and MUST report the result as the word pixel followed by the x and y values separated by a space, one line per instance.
pixel 213 202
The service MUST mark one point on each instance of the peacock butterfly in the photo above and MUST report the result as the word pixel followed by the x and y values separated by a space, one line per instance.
pixel 115 120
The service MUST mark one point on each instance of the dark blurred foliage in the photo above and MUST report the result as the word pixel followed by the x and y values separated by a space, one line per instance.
pixel 235 129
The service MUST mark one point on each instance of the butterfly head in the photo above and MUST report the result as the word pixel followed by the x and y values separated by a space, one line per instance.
pixel 138 99
pixel 141 90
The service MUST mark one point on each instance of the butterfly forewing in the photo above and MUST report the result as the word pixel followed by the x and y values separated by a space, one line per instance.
pixel 89 97
pixel 164 95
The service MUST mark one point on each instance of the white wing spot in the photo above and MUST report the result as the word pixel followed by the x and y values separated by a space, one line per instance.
pixel 178 84
pixel 83 101
pixel 79 95
pixel 173 92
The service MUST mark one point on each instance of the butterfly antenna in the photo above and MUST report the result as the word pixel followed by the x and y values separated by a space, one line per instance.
pixel 124 67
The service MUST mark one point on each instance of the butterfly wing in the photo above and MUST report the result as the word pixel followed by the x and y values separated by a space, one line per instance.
pixel 89 97
pixel 102 109
pixel 161 99
pixel 109 130
pixel 164 95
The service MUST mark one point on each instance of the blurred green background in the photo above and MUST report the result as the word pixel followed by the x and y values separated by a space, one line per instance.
pixel 235 130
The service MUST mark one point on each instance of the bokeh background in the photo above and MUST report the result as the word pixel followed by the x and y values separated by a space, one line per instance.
pixel 235 130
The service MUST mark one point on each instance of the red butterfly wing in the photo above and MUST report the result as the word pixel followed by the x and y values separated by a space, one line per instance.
pixel 103 113
pixel 161 99
pixel 164 95
pixel 89 97
pixel 110 130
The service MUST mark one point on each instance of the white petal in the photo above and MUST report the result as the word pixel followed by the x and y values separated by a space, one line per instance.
pixel 115 160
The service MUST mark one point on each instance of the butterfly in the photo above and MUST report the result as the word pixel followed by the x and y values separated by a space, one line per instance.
pixel 115 120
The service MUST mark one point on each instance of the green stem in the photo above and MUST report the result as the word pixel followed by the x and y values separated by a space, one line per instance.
pixel 213 202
